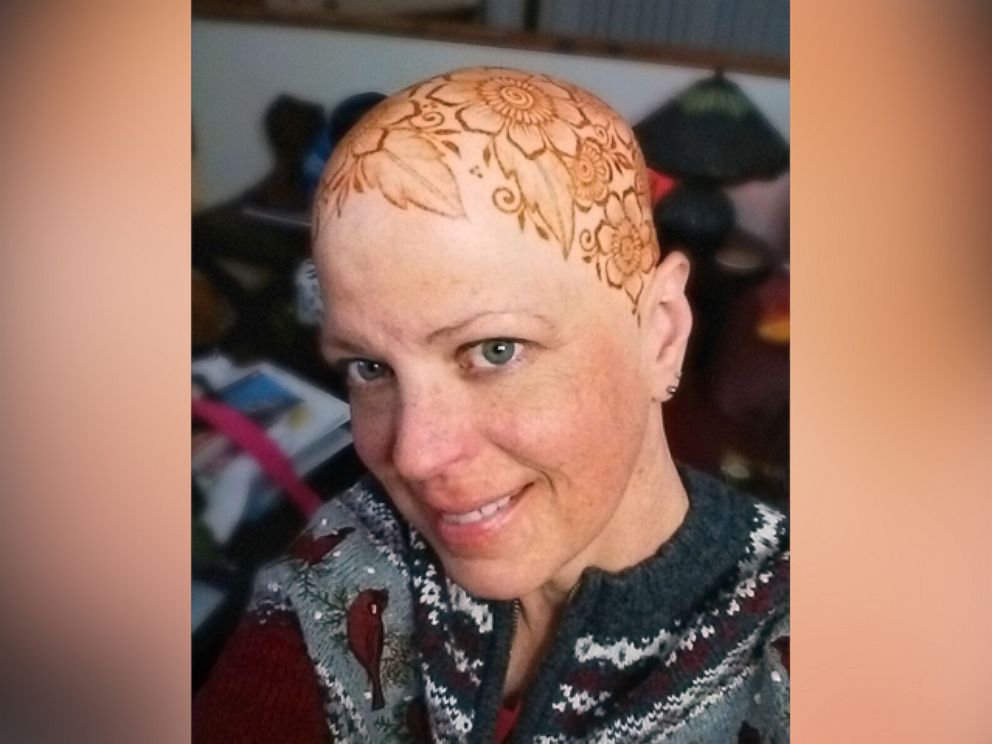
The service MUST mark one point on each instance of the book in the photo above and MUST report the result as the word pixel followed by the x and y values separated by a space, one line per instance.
pixel 308 424
pixel 259 396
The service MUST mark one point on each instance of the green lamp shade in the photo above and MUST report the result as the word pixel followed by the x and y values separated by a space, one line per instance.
pixel 712 132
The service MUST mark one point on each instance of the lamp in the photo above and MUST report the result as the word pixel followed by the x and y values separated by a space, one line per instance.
pixel 708 136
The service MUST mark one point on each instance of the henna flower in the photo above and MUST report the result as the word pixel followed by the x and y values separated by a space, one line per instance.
pixel 590 174
pixel 387 152
pixel 531 122
pixel 624 237
pixel 533 111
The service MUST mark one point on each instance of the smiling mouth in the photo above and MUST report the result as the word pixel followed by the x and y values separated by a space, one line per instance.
pixel 474 529
pixel 477 515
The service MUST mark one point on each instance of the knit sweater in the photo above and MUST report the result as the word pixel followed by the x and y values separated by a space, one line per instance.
pixel 691 645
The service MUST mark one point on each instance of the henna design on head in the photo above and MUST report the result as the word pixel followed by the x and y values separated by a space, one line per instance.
pixel 389 150
pixel 565 164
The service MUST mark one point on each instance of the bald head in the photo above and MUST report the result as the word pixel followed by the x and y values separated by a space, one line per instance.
pixel 521 154
pixel 483 240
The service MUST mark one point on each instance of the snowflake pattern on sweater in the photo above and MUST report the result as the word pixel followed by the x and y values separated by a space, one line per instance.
pixel 682 648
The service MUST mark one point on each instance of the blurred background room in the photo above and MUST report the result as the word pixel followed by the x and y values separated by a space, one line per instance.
pixel 277 83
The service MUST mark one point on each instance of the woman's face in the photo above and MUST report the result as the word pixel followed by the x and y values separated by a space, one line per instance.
pixel 496 392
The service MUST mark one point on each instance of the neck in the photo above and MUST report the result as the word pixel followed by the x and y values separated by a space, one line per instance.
pixel 652 509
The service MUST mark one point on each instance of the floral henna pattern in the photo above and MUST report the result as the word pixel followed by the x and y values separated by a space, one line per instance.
pixel 560 155
pixel 591 174
pixel 622 247
pixel 391 152
pixel 531 124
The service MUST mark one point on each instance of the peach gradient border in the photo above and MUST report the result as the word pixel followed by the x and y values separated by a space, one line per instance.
pixel 891 395
pixel 891 498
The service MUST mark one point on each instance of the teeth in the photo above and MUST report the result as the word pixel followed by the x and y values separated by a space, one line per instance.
pixel 478 514
pixel 466 518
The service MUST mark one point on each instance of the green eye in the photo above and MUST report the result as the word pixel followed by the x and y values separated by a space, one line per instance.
pixel 498 351
pixel 365 370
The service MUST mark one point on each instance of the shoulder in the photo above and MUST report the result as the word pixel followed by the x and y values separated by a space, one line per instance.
pixel 345 585
pixel 746 559
pixel 359 523
pixel 755 603
pixel 750 612
pixel 353 535
pixel 768 709
pixel 353 543
pixel 749 538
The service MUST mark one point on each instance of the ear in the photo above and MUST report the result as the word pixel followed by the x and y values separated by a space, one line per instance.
pixel 666 323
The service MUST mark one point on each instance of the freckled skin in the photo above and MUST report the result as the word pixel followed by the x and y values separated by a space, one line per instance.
pixel 574 416
pixel 571 417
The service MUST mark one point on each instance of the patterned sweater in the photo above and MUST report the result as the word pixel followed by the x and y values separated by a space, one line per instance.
pixel 689 646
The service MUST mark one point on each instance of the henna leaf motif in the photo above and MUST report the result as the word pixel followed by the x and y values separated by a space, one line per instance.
pixel 409 169
pixel 545 188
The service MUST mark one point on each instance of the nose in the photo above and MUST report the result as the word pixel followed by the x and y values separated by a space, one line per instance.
pixel 434 432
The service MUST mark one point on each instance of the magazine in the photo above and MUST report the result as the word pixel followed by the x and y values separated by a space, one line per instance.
pixel 308 424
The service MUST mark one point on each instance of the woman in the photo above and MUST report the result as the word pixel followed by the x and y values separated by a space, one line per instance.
pixel 526 559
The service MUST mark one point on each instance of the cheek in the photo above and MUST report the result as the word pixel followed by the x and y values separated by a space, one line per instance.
pixel 371 427
pixel 584 419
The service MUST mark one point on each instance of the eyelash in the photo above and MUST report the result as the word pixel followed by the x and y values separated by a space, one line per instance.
pixel 486 367
pixel 347 367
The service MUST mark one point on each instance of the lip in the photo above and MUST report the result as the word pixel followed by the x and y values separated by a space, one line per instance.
pixel 476 534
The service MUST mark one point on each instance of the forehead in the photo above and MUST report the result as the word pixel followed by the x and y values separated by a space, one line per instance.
pixel 404 267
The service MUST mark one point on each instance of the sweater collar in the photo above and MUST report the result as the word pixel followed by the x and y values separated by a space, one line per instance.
pixel 706 547
pixel 465 641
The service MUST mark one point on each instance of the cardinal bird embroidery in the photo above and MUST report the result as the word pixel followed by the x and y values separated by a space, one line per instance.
pixel 366 636
pixel 311 550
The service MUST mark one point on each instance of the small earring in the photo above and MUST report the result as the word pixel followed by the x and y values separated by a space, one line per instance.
pixel 672 389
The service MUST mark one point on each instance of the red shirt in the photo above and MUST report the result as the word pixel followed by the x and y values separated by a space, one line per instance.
pixel 506 719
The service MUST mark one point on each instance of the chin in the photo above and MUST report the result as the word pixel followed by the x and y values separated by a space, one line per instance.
pixel 491 581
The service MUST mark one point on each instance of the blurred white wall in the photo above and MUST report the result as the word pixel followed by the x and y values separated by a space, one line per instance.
pixel 238 68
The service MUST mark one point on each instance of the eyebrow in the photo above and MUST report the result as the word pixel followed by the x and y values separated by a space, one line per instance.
pixel 335 343
pixel 450 330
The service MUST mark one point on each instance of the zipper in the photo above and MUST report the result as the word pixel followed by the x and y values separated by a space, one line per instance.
pixel 494 675
pixel 571 595
pixel 548 665
pixel 486 716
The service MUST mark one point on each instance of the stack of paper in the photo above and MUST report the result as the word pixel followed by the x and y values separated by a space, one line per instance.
pixel 306 423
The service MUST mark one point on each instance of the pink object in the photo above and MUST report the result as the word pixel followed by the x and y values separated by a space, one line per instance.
pixel 251 438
